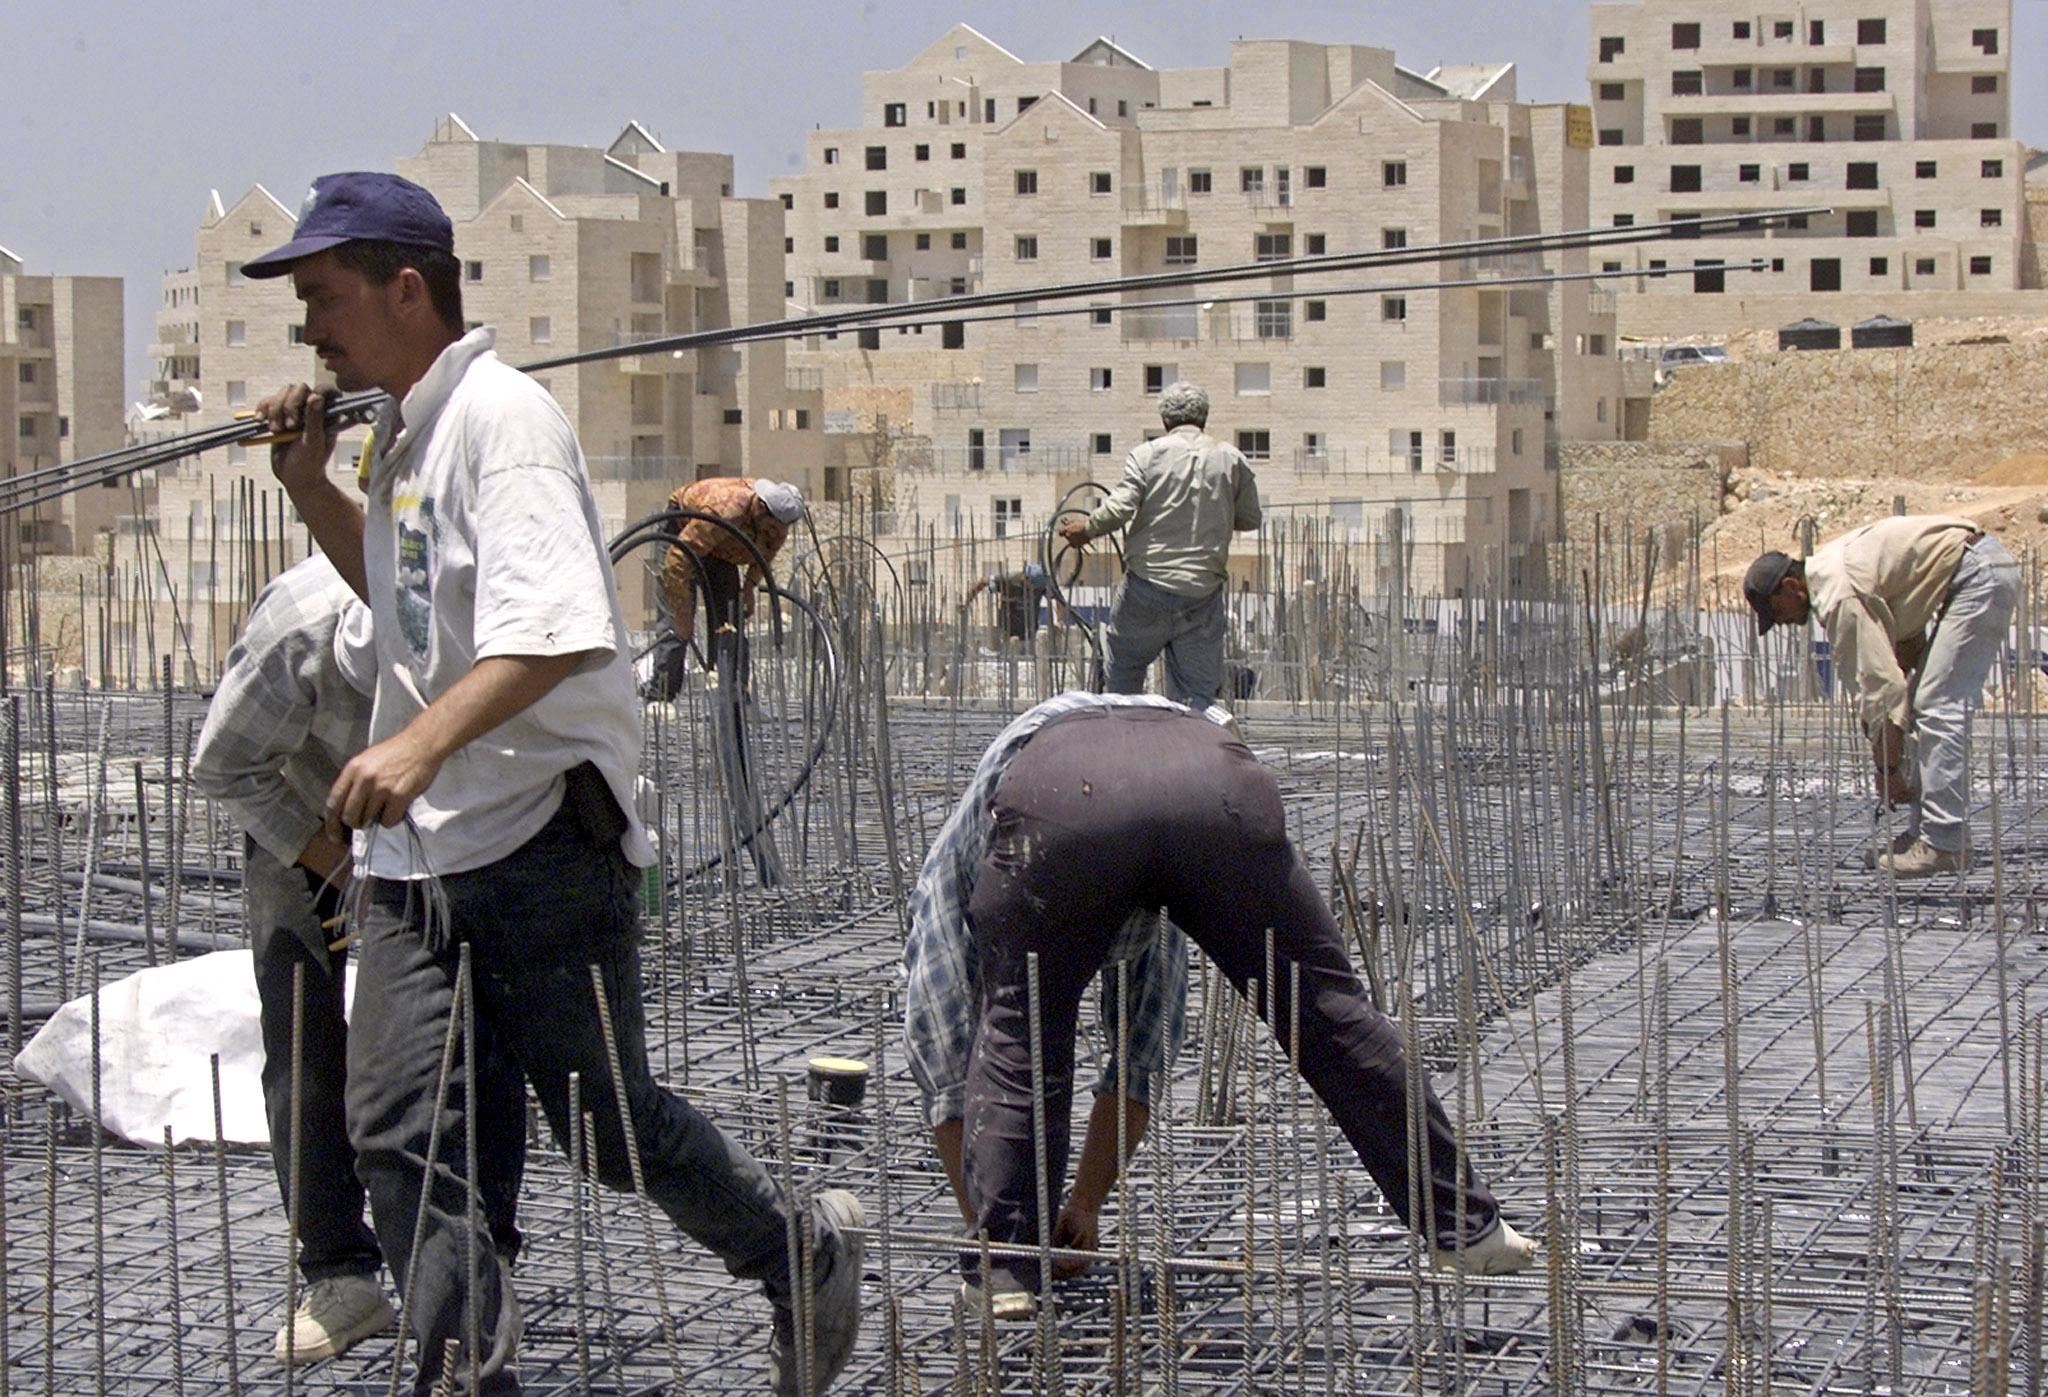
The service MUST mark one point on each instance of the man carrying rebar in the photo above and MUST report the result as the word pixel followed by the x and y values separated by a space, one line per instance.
pixel 1019 595
pixel 292 707
pixel 1915 609
pixel 1086 811
pixel 1181 497
pixel 493 810
pixel 942 993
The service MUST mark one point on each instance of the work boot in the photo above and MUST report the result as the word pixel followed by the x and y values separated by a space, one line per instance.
pixel 1496 1252
pixel 1902 841
pixel 835 1307
pixel 1009 1305
pixel 1923 860
pixel 332 1315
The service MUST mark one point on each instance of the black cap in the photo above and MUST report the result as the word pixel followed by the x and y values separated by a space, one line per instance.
pixel 359 207
pixel 1760 583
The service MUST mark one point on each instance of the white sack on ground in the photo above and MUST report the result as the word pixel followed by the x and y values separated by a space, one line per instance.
pixel 158 1031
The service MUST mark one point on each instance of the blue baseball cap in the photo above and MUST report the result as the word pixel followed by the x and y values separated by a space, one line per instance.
pixel 360 206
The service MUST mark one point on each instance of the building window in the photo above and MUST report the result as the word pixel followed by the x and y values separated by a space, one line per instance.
pixel 1315 176
pixel 238 333
pixel 1990 218
pixel 1797 172
pixel 540 329
pixel 876 202
pixel 1624 174
pixel 959 150
pixel 1983 130
pixel 1868 80
pixel 1980 266
pixel 27 374
pixel 831 198
pixel 1783 78
pixel 1027 378
pixel 1200 181
pixel 1749 174
pixel 1862 174
pixel 1924 169
pixel 1612 46
pixel 1254 380
pixel 1273 320
pixel 26 427
pixel 1739 29
pixel 1393 174
pixel 1314 244
pixel 1180 250
pixel 1687 82
pixel 1027 247
pixel 1984 84
pixel 1271 247
pixel 1992 169
pixel 1688 131
pixel 1596 345
pixel 831 292
pixel 788 246
pixel 894 114
pixel 1685 179
pixel 959 242
pixel 1393 307
pixel 1816 32
pixel 1027 181
pixel 1255 445
pixel 1157 376
pixel 1879 266
pixel 1624 220
pixel 472 271
pixel 1391 238
pixel 1315 310
pixel 1868 126
pixel 921 152
pixel 1612 91
pixel 1923 266
pixel 235 277
pixel 1923 218
pixel 1010 511
pixel 1783 126
pixel 831 155
pixel 1099 444
pixel 1393 375
pixel 1985 40
pixel 1862 223
pixel 1738 126
pixel 1685 36
pixel 1099 182
pixel 923 242
pixel 1101 249
pixel 1610 136
pixel 1869 31
pixel 1100 315
pixel 1781 29
pixel 788 202
pixel 831 242
pixel 1742 79
pixel 1315 376
pixel 877 157
pixel 1100 380
pixel 956 196
pixel 874 247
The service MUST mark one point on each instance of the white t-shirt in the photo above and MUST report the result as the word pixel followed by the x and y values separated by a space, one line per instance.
pixel 481 538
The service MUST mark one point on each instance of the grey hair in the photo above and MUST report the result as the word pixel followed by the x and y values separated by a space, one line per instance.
pixel 1184 403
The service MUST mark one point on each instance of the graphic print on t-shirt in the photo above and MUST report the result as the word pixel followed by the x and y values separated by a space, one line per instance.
pixel 416 558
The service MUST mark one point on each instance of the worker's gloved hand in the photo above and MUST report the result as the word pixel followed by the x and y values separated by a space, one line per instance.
pixel 1500 1252
pixel 1079 1228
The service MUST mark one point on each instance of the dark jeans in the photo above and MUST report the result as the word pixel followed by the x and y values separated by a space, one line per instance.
pixel 284 908
pixel 535 921
pixel 1113 810
pixel 720 584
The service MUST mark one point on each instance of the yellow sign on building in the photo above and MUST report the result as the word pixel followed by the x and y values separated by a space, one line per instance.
pixel 1578 126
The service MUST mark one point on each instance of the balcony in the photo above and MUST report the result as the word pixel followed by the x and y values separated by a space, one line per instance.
pixel 1319 460
pixel 962 460
pixel 1496 264
pixel 1775 103
pixel 956 397
pixel 1142 214
pixel 606 469
pixel 1270 322
pixel 1490 392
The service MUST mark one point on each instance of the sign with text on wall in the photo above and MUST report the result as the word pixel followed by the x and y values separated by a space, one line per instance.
pixel 1578 126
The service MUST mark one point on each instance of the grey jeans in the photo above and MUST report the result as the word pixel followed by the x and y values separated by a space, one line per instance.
pixel 1966 641
pixel 1146 620
pixel 536 922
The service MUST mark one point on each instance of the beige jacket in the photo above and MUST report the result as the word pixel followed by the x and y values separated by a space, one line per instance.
pixel 1183 495
pixel 1876 590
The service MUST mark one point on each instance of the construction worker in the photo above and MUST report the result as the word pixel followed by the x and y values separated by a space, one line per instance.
pixel 943 989
pixel 762 512
pixel 505 741
pixel 1181 497
pixel 292 707
pixel 1915 609
pixel 1089 809
pixel 1018 597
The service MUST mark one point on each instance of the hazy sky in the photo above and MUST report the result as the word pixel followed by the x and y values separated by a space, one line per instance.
pixel 116 119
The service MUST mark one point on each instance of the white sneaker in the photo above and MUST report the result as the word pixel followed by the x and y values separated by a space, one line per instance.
pixel 332 1315
pixel 1500 1251
pixel 835 1314
pixel 1010 1306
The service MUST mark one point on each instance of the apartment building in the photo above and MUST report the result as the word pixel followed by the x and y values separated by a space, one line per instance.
pixel 1896 115
pixel 563 247
pixel 61 389
pixel 1365 398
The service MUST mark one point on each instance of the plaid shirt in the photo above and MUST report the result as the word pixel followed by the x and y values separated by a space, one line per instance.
pixel 286 717
pixel 942 1000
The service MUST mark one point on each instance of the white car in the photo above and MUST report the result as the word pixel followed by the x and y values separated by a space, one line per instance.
pixel 1683 356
